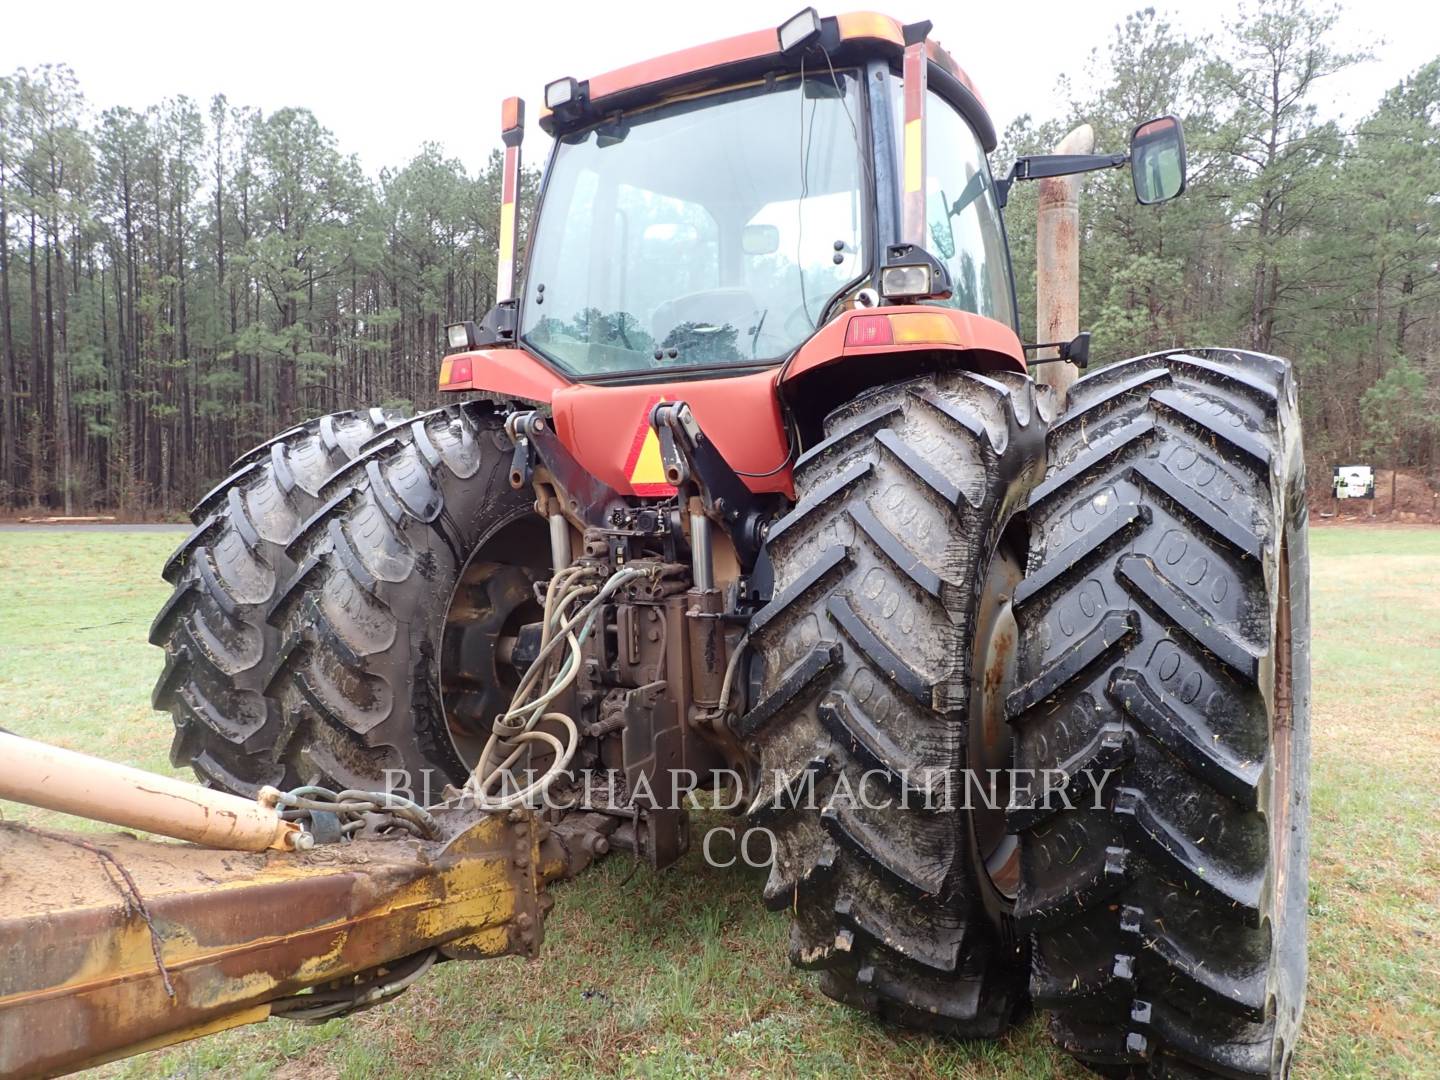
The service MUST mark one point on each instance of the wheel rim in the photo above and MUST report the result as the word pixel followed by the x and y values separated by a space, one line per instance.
pixel 991 744
pixel 493 598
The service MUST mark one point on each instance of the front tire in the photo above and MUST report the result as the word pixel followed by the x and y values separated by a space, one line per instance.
pixel 1165 686
pixel 867 648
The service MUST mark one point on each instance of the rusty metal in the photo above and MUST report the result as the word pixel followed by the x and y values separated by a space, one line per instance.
pixel 991 750
pixel 54 778
pixel 658 836
pixel 707 647
pixel 1057 263
pixel 237 933
pixel 573 843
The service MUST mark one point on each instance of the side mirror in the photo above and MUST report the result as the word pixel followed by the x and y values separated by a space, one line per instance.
pixel 760 239
pixel 1157 160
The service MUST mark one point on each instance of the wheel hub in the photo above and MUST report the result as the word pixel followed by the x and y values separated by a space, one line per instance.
pixel 478 677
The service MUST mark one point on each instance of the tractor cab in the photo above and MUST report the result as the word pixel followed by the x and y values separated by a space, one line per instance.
pixel 711 211
pixel 722 228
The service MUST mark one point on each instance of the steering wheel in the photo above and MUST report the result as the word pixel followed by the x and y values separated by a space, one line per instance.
pixel 777 339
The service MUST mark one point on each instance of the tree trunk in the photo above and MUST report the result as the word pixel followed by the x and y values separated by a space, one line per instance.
pixel 9 474
pixel 1402 317
pixel 37 372
pixel 58 353
pixel 48 374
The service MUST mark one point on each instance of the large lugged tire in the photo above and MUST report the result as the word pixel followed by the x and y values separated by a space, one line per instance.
pixel 1165 651
pixel 218 647
pixel 388 668
pixel 867 646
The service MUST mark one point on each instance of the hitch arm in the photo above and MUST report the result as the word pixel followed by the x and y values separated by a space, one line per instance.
pixel 690 457
pixel 587 499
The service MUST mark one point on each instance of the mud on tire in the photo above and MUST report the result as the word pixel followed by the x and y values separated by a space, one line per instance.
pixel 1165 645
pixel 218 646
pixel 377 685
pixel 866 651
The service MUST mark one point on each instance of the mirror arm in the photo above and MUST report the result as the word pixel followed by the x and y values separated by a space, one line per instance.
pixel 1075 351
pixel 1040 166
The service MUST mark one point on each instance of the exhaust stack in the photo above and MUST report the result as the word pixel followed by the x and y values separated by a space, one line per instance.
pixel 1057 263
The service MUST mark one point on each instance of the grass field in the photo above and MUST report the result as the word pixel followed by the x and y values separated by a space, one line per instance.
pixel 683 973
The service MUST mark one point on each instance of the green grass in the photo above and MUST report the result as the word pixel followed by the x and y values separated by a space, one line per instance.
pixel 683 973
pixel 75 666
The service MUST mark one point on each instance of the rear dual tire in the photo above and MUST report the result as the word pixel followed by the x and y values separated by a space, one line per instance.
pixel 365 640
pixel 404 580
pixel 225 575
pixel 1165 649
pixel 868 649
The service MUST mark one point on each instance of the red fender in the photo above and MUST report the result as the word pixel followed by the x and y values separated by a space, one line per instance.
pixel 607 428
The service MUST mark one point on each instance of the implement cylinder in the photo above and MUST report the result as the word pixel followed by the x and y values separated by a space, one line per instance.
pixel 56 779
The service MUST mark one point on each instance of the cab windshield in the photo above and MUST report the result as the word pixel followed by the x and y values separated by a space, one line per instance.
pixel 703 232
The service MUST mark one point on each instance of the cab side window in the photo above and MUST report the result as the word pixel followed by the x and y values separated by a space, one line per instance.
pixel 963 228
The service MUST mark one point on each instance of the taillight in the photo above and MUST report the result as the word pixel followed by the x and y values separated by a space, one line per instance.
pixel 868 330
pixel 924 327
pixel 454 370
pixel 902 327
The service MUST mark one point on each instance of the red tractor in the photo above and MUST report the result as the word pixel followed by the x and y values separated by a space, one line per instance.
pixel 746 485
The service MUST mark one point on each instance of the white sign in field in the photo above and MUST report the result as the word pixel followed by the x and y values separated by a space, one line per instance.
pixel 1354 482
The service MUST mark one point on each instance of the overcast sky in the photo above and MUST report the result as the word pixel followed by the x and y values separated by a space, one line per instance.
pixel 386 77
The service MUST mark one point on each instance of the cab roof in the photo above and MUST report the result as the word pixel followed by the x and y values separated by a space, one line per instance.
pixel 846 38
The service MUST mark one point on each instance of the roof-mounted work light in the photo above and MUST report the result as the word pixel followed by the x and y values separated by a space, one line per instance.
pixel 561 92
pixel 799 30
pixel 567 99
